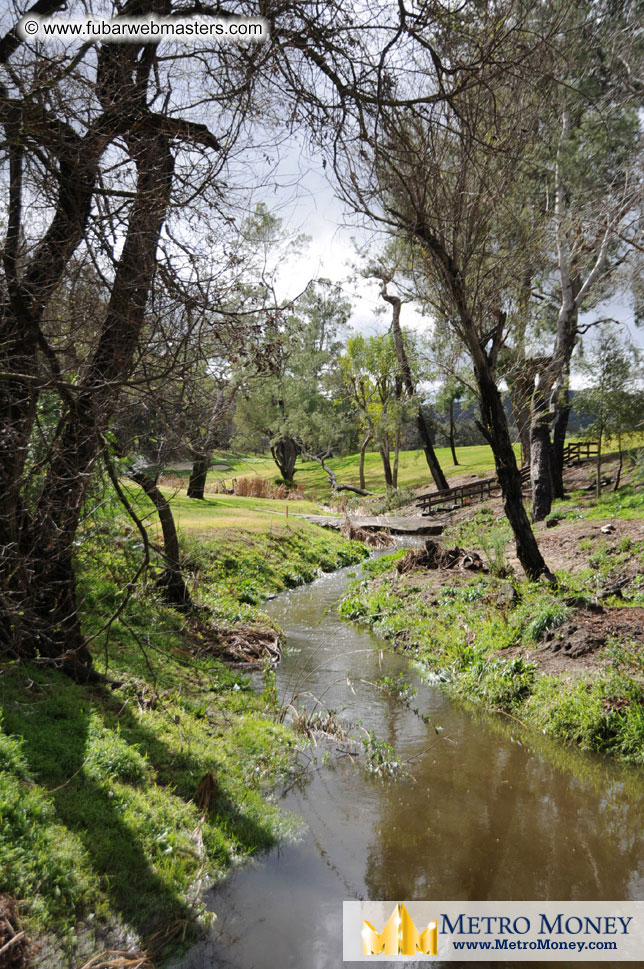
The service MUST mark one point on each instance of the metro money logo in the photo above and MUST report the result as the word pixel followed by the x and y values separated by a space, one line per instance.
pixel 400 937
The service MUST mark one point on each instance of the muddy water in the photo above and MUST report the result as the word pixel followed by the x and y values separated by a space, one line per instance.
pixel 490 813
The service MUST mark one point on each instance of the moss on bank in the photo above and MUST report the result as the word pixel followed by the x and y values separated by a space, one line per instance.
pixel 471 634
pixel 105 833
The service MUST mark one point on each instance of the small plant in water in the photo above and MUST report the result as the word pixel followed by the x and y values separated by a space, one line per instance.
pixel 269 693
pixel 381 758
pixel 396 686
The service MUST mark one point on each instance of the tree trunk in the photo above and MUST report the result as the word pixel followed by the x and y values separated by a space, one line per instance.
pixel 521 392
pixel 494 424
pixel 618 476
pixel 396 457
pixel 405 370
pixel 285 452
pixel 559 428
pixel 363 449
pixel 197 482
pixel 598 475
pixel 171 580
pixel 43 580
pixel 540 459
pixel 207 444
pixel 452 432
pixel 495 428
pixel 386 464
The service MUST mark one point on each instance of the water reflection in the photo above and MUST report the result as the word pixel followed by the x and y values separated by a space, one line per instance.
pixel 485 817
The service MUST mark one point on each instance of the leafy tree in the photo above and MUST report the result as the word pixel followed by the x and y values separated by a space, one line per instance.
pixel 373 387
pixel 589 161
pixel 292 405
pixel 108 144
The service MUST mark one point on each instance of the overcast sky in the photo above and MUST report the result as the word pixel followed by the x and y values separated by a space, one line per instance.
pixel 307 203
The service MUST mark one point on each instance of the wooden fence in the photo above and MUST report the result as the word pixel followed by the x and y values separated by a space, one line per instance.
pixel 580 451
pixel 474 490
pixel 487 487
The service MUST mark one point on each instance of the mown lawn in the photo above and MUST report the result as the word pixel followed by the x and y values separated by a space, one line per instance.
pixel 412 472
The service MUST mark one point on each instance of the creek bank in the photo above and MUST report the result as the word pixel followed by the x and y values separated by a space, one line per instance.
pixel 105 834
pixel 566 660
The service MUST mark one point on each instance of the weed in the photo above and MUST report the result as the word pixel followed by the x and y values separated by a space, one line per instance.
pixel 396 686
pixel 380 757
pixel 98 809
pixel 551 616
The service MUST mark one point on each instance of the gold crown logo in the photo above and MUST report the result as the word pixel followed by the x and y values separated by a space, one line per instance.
pixel 400 937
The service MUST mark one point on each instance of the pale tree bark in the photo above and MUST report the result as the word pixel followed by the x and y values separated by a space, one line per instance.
pixel 521 384
pixel 553 377
pixel 321 460
pixel 396 458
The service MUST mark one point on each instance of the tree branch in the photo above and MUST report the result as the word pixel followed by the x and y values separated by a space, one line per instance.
pixel 332 478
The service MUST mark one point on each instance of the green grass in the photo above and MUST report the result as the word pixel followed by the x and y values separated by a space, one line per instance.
pixel 99 822
pixel 227 511
pixel 458 633
pixel 627 503
pixel 412 472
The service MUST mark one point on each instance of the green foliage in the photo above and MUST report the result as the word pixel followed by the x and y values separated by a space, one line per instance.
pixel 612 399
pixel 487 533
pixel 394 498
pixel 601 713
pixel 369 370
pixel 503 684
pixel 383 563
pixel 381 758
pixel 552 615
pixel 98 809
pixel 396 686
pixel 111 758
pixel 41 861
pixel 298 399
pixel 459 637
pixel 243 571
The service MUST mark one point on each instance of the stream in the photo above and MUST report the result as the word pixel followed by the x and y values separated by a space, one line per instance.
pixel 489 814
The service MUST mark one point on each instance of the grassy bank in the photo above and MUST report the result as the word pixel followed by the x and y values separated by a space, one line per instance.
pixel 118 803
pixel 565 660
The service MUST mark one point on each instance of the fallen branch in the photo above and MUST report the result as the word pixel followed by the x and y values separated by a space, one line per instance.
pixel 16 938
pixel 332 478
pixel 14 944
